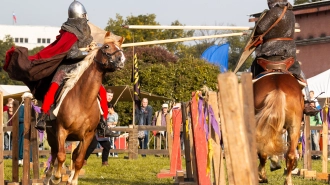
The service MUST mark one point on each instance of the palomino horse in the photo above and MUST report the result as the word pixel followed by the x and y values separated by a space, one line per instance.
pixel 79 113
pixel 279 105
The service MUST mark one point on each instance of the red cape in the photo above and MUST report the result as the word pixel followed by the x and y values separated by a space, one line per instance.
pixel 37 71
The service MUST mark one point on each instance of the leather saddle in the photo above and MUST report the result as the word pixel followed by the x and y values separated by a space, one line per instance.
pixel 281 66
pixel 272 66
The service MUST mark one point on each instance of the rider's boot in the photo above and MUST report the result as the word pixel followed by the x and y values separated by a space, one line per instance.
pixel 103 130
pixel 41 123
pixel 310 110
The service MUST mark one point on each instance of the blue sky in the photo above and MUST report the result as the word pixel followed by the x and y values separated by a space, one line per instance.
pixel 188 12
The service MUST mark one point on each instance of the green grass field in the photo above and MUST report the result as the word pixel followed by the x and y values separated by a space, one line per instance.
pixel 143 171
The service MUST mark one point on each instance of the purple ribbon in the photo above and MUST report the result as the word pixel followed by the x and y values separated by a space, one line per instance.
pixel 214 122
pixel 207 111
pixel 200 111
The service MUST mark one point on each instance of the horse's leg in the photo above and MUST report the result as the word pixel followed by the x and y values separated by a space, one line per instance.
pixel 79 155
pixel 61 154
pixel 53 148
pixel 291 159
pixel 261 168
pixel 74 157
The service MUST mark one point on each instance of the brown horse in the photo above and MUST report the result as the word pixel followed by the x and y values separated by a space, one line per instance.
pixel 79 113
pixel 279 105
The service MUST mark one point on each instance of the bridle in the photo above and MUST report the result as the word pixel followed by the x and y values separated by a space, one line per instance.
pixel 108 55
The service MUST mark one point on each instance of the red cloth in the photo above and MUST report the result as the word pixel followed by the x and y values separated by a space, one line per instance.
pixel 49 97
pixel 63 43
pixel 103 101
pixel 5 108
pixel 9 53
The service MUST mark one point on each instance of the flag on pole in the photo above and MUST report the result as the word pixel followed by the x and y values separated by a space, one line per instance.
pixel 14 17
pixel 136 80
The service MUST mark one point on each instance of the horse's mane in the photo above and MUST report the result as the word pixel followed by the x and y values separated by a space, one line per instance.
pixel 74 76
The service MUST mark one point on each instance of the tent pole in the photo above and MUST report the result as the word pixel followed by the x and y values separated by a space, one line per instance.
pixel 133 81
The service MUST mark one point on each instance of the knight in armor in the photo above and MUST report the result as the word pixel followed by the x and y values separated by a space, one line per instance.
pixel 50 65
pixel 277 27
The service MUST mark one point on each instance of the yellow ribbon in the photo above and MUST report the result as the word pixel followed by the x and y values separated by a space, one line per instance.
pixel 209 156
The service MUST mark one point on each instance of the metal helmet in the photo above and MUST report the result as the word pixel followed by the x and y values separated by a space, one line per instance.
pixel 272 3
pixel 77 10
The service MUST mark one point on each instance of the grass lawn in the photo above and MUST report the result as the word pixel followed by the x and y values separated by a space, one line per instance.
pixel 119 172
pixel 143 171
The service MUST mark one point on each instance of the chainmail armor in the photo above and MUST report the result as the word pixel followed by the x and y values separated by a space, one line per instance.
pixel 284 28
pixel 81 29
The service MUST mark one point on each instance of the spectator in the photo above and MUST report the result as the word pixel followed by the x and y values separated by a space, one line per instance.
pixel 104 142
pixel 160 120
pixel 315 134
pixel 311 95
pixel 9 103
pixel 143 116
pixel 20 134
pixel 7 122
pixel 112 121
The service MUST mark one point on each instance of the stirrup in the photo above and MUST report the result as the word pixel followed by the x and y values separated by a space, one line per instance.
pixel 41 123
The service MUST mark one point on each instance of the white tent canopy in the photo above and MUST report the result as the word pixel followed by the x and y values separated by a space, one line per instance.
pixel 320 83
pixel 12 90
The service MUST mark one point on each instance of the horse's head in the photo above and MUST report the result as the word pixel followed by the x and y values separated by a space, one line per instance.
pixel 110 56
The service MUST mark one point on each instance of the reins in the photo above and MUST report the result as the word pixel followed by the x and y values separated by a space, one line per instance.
pixel 108 55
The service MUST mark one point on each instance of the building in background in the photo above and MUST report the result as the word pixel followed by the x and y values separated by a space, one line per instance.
pixel 30 36
pixel 313 41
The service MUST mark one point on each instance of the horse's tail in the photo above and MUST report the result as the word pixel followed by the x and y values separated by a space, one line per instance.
pixel 270 121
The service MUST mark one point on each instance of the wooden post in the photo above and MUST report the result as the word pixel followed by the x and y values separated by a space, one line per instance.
pixel 234 132
pixel 218 164
pixel 224 136
pixel 200 144
pixel 15 132
pixel 169 133
pixel 249 117
pixel 35 145
pixel 175 163
pixel 307 138
pixel 26 135
pixel 133 143
pixel 186 141
pixel 2 167
pixel 325 141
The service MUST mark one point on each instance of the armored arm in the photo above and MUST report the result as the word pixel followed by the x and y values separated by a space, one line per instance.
pixel 75 53
pixel 268 20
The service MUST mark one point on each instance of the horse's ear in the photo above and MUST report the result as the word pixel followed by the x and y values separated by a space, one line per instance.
pixel 121 40
pixel 107 34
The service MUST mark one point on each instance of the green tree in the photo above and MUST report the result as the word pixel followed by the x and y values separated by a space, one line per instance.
pixel 162 73
pixel 5 45
pixel 237 44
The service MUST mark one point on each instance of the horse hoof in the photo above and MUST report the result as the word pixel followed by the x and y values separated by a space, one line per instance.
pixel 55 180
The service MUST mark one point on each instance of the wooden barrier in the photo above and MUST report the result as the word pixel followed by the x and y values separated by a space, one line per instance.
pixel 309 152
pixel 30 141
pixel 236 136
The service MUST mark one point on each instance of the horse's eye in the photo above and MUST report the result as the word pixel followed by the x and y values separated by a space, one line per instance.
pixel 106 46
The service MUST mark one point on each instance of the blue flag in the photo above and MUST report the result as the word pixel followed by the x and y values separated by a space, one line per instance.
pixel 217 55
